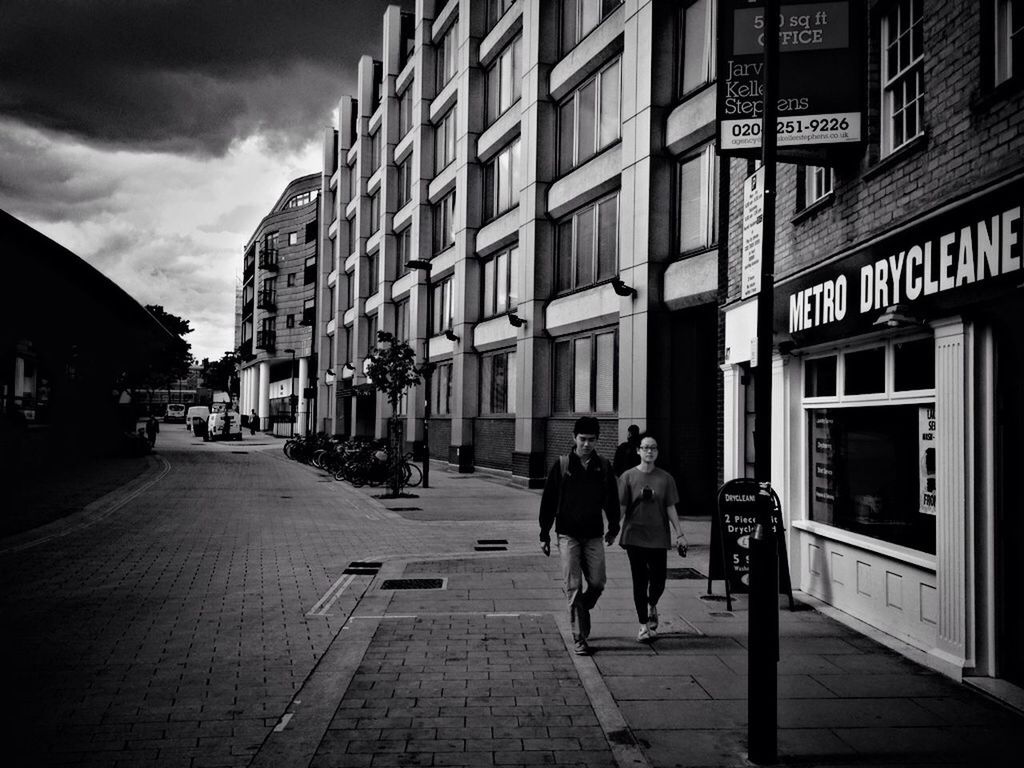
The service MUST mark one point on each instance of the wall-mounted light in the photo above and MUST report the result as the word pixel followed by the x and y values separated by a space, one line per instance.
pixel 349 367
pixel 895 316
pixel 330 372
pixel 621 289
pixel 515 320
pixel 450 335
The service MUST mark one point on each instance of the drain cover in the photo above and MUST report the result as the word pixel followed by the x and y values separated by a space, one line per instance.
pixel 405 509
pixel 713 598
pixel 684 573
pixel 412 584
pixel 244 453
pixel 491 545
pixel 360 568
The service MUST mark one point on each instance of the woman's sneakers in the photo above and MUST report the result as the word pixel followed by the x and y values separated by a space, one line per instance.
pixel 645 635
pixel 652 617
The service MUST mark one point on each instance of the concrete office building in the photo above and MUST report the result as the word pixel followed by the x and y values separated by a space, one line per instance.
pixel 897 386
pixel 552 162
pixel 278 311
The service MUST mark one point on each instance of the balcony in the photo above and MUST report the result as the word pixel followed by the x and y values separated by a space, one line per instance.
pixel 267 300
pixel 265 340
pixel 268 259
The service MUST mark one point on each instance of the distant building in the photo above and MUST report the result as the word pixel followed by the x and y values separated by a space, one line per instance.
pixel 279 281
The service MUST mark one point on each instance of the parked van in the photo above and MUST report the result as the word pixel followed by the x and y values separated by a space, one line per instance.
pixel 224 425
pixel 195 419
pixel 175 412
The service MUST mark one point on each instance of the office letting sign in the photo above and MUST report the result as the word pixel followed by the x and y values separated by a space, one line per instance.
pixel 820 72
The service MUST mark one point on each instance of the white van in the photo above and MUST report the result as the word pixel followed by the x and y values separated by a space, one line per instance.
pixel 224 425
pixel 195 419
pixel 175 412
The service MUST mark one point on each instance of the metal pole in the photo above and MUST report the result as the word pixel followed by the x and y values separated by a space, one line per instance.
pixel 428 373
pixel 763 645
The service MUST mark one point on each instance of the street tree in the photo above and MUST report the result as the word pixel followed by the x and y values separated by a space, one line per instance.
pixel 222 374
pixel 171 362
pixel 391 368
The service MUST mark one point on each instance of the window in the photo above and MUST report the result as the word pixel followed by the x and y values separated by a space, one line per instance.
pixel 902 75
pixel 496 9
pixel 444 225
pixel 447 55
pixel 374 151
pixel 505 80
pixel 696 42
pixel 587 248
pixel 443 318
pixel 311 231
pixel 405 181
pixel 444 141
pixel 498 383
pixel 289 321
pixel 1009 40
pixel 374 211
pixel 351 227
pixel 293 238
pixel 268 295
pixel 404 111
pixel 291 279
pixel 372 273
pixel 871 434
pixel 501 181
pixel 403 241
pixel 579 17
pixel 441 390
pixel 371 333
pixel 501 283
pixel 350 289
pixel 586 374
pixel 817 183
pixel 303 198
pixel 698 201
pixel 588 120
pixel 402 320
pixel 351 181
pixel 309 270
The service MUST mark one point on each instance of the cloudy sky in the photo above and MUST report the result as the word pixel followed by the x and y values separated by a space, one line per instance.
pixel 151 136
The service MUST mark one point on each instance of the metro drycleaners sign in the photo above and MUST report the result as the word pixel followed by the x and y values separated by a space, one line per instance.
pixel 950 260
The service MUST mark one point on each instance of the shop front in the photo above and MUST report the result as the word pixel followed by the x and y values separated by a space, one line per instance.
pixel 898 419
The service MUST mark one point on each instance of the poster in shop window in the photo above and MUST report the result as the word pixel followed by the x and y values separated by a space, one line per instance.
pixel 926 458
pixel 823 499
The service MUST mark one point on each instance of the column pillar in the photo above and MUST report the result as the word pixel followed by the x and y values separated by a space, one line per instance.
pixel 303 405
pixel 732 422
pixel 263 396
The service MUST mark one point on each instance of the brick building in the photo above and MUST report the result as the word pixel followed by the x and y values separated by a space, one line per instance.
pixel 278 309
pixel 896 383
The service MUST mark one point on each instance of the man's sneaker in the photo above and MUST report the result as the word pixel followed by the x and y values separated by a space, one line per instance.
pixel 580 648
pixel 583 615
pixel 644 635
pixel 652 617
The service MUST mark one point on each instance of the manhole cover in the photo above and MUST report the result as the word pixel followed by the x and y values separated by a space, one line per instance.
pixel 412 584
pixel 684 573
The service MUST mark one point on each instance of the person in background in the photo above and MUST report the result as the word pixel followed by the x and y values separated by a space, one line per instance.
pixel 253 421
pixel 648 497
pixel 626 454
pixel 579 487
pixel 152 427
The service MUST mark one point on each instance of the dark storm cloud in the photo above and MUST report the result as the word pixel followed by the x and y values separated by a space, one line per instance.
pixel 181 75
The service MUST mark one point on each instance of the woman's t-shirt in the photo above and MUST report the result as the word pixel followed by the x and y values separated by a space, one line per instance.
pixel 646 525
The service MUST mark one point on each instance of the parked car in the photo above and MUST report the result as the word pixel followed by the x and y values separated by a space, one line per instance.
pixel 195 419
pixel 224 425
pixel 175 412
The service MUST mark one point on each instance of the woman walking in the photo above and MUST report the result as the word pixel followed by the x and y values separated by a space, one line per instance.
pixel 648 497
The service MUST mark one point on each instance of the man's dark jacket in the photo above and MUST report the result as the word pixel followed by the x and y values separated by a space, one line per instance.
pixel 574 503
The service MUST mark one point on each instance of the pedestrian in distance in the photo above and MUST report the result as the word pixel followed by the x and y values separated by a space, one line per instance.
pixel 580 487
pixel 152 427
pixel 648 496
pixel 253 420
pixel 626 454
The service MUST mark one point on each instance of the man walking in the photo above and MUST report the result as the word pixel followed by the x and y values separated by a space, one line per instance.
pixel 152 427
pixel 580 486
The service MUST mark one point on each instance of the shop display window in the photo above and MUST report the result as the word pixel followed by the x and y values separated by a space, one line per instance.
pixel 871 432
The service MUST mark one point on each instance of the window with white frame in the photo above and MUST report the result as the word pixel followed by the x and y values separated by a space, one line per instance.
pixel 1008 42
pixel 817 183
pixel 371 332
pixel 351 227
pixel 871 437
pixel 293 238
pixel 588 119
pixel 405 181
pixel 444 222
pixel 441 390
pixel 442 307
pixel 447 55
pixel 372 273
pixel 902 74
pixel 444 141
pixel 375 151
pixel 501 282
pixel 402 320
pixel 403 241
pixel 505 79
pixel 586 373
pixel 697 193
pixel 696 41
pixel 374 211
pixel 405 111
pixel 496 9
pixel 579 17
pixel 352 181
pixel 498 383
pixel 501 182
pixel 587 248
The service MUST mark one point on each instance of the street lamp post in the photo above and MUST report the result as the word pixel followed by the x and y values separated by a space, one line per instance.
pixel 427 370
pixel 292 398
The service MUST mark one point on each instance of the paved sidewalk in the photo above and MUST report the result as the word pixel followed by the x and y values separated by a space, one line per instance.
pixel 469 666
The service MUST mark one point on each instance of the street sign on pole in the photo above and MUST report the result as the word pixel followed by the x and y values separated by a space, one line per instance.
pixel 753 234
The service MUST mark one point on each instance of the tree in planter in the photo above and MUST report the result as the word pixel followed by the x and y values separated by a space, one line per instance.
pixel 391 368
